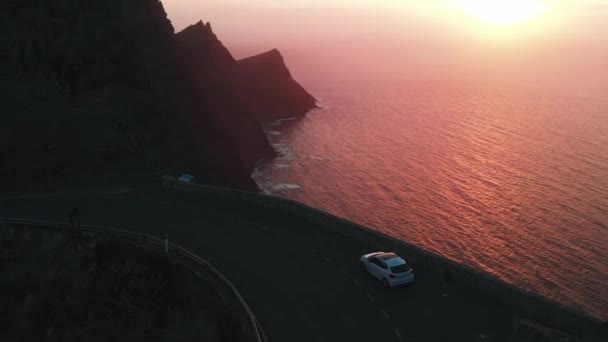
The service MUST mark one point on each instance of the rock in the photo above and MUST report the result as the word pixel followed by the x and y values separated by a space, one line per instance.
pixel 85 82
pixel 204 48
pixel 268 89
pixel 262 83
pixel 230 137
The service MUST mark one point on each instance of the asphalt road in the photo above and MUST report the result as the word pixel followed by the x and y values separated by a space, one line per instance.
pixel 302 282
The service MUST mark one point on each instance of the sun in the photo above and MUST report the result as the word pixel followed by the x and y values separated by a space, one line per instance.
pixel 503 12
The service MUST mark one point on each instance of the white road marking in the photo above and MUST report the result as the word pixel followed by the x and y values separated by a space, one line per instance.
pixel 384 314
pixel 343 270
pixel 397 333
pixel 356 282
pixel 326 259
pixel 369 295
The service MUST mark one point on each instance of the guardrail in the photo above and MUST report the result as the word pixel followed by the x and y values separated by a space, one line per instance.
pixel 154 241
pixel 529 303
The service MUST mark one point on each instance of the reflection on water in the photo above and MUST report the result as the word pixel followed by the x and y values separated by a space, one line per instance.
pixel 513 182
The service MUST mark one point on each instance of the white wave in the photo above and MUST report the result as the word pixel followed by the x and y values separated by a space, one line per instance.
pixel 280 166
pixel 285 186
pixel 274 133
pixel 278 122
pixel 316 110
pixel 288 119
pixel 284 152
pixel 257 172
pixel 263 181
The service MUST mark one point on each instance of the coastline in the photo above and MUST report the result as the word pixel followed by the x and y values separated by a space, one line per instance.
pixel 475 206
pixel 526 304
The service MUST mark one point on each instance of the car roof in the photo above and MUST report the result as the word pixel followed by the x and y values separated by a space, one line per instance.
pixel 391 259
pixel 386 256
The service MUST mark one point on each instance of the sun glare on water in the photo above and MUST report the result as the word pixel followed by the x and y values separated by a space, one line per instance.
pixel 503 12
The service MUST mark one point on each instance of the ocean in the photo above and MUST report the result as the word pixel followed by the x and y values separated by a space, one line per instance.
pixel 509 179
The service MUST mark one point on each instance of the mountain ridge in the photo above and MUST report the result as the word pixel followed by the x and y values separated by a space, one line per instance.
pixel 105 92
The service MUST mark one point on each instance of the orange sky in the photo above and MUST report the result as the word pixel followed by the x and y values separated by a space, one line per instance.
pixel 565 44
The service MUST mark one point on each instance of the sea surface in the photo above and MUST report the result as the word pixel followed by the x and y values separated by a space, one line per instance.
pixel 512 180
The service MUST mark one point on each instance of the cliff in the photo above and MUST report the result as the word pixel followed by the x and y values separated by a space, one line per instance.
pixel 208 66
pixel 200 43
pixel 268 89
pixel 103 92
pixel 262 83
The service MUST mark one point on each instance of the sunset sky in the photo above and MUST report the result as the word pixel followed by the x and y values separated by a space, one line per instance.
pixel 563 42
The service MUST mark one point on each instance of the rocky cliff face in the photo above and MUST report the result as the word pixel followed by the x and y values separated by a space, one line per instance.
pixel 269 91
pixel 209 66
pixel 262 83
pixel 201 45
pixel 76 91
pixel 104 92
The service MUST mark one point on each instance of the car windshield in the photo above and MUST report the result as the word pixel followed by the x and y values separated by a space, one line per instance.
pixel 400 268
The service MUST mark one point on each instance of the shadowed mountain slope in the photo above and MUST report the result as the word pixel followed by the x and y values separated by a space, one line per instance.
pixel 97 92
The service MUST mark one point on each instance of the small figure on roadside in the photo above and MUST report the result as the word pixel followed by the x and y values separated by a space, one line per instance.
pixel 447 276
pixel 74 217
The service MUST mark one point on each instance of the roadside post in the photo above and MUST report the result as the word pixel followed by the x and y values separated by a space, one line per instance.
pixel 74 217
pixel 167 245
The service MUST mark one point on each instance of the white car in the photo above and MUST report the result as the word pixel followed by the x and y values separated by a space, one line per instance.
pixel 388 267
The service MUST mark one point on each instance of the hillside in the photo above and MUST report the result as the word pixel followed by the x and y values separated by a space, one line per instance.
pixel 104 92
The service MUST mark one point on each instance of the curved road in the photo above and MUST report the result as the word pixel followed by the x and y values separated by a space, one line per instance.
pixel 302 282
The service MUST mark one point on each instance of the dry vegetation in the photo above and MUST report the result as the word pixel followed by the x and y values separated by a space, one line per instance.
pixel 54 289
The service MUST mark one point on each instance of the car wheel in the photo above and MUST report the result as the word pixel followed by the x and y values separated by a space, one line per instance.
pixel 385 282
pixel 362 266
